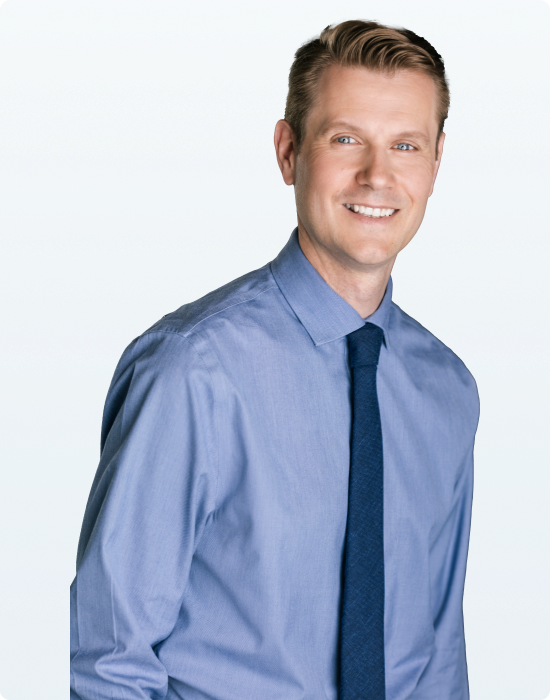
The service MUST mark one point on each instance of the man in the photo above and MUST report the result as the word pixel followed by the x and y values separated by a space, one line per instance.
pixel 283 500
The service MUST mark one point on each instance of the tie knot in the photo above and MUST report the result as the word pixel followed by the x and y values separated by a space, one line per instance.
pixel 364 346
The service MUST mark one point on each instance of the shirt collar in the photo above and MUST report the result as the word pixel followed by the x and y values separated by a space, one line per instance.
pixel 322 312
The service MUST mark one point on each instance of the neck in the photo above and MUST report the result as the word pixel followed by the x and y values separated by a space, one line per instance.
pixel 361 286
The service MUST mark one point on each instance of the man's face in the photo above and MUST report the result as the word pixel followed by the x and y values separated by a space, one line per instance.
pixel 370 142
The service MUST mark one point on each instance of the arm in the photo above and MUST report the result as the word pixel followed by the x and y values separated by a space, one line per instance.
pixel 445 677
pixel 150 500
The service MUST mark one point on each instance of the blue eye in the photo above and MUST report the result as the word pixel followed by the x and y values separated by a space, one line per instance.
pixel 346 139
pixel 405 147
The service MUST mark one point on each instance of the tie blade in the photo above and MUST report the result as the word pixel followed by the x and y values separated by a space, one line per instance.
pixel 362 664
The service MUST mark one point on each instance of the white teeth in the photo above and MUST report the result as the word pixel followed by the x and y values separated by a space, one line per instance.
pixel 368 211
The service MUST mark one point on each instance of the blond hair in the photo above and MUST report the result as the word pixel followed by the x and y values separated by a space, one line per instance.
pixel 366 44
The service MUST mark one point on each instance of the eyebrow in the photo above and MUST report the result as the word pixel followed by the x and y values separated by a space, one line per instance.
pixel 415 135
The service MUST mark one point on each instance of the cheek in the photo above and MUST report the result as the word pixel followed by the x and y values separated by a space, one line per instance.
pixel 416 179
pixel 326 177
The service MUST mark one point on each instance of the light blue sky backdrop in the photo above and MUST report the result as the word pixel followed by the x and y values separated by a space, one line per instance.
pixel 137 173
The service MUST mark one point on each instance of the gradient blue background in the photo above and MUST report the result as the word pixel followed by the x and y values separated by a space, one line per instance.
pixel 137 173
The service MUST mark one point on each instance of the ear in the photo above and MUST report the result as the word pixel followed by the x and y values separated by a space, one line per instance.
pixel 285 150
pixel 437 160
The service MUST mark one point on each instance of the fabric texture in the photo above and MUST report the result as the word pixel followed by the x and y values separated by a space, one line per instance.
pixel 362 674
pixel 210 559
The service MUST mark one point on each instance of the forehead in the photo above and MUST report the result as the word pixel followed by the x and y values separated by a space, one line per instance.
pixel 405 98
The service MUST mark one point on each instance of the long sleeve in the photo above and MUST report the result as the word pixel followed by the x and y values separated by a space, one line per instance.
pixel 150 501
pixel 445 677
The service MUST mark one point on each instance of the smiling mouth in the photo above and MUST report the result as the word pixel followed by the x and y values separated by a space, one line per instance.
pixel 373 213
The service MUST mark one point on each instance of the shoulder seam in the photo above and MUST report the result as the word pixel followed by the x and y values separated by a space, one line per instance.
pixel 187 332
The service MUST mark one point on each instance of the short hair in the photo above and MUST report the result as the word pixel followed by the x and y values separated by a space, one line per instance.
pixel 363 44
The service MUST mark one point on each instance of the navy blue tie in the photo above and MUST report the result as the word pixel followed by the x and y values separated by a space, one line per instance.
pixel 362 672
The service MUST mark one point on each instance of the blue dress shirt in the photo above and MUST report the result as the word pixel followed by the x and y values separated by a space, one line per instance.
pixel 209 563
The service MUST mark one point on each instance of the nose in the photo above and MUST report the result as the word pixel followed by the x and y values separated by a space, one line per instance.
pixel 375 170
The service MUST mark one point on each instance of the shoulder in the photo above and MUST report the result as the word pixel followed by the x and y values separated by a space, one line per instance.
pixel 412 337
pixel 175 333
pixel 174 349
pixel 434 362
pixel 239 293
pixel 173 363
